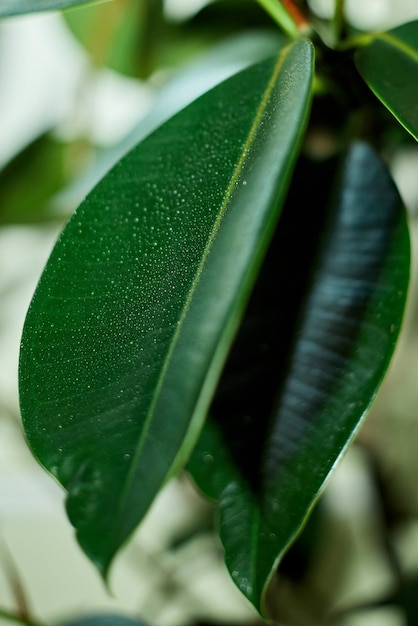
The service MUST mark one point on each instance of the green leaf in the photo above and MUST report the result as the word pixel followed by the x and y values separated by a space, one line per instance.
pixel 20 7
pixel 138 305
pixel 30 179
pixel 388 62
pixel 122 35
pixel 106 619
pixel 313 347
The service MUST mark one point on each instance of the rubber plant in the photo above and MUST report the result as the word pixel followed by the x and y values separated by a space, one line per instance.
pixel 227 299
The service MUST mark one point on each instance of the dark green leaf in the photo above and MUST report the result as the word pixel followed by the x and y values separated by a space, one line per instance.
pixel 232 16
pixel 107 619
pixel 136 310
pixel 20 7
pixel 28 182
pixel 388 62
pixel 313 347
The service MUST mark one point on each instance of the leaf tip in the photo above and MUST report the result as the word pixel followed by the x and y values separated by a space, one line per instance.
pixel 101 562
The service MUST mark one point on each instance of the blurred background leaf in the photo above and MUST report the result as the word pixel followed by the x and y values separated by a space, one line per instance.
pixel 124 35
pixel 137 37
pixel 9 8
pixel 106 619
pixel 30 180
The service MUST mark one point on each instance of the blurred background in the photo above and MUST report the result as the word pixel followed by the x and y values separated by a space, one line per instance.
pixel 78 89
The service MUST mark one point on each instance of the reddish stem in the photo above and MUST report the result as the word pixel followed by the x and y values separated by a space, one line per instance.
pixel 296 14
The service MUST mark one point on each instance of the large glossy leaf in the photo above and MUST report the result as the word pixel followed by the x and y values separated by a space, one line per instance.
pixel 137 307
pixel 388 62
pixel 20 7
pixel 313 347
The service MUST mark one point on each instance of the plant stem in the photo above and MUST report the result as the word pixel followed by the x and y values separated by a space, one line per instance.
pixel 338 19
pixel 277 11
pixel 16 584
pixel 13 617
pixel 357 41
pixel 296 14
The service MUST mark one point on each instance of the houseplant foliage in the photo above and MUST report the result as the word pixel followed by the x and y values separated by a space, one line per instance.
pixel 200 311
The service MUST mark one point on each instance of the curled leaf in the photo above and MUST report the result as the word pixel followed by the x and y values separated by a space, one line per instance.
pixel 312 350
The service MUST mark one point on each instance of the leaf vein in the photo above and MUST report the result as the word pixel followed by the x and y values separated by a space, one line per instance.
pixel 228 194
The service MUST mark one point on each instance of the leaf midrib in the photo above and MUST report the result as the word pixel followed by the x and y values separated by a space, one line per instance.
pixel 368 39
pixel 398 44
pixel 228 194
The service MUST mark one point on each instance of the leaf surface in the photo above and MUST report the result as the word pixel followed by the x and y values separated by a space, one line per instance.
pixel 312 349
pixel 21 7
pixel 138 305
pixel 389 65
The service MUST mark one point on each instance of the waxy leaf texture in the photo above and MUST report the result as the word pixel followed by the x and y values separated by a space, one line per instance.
pixel 136 310
pixel 388 62
pixel 311 352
